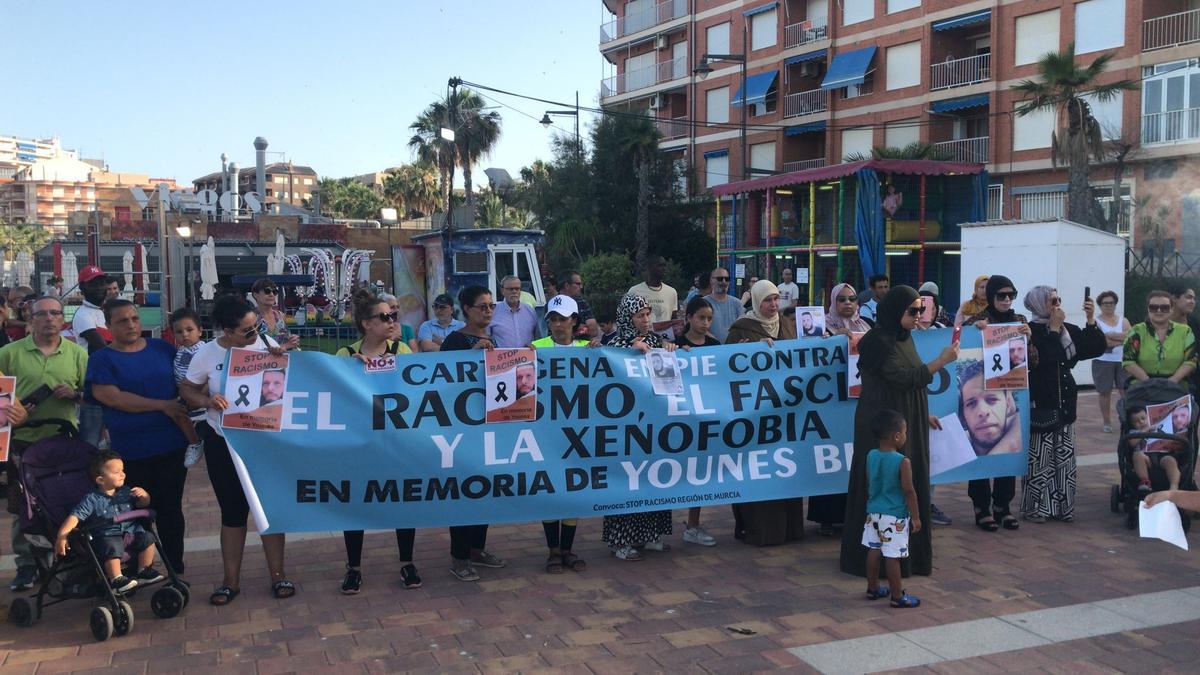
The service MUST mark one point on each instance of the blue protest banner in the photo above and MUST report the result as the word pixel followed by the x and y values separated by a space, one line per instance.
pixel 409 447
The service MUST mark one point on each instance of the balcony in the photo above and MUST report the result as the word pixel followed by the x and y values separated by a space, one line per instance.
pixel 802 33
pixel 960 72
pixel 643 78
pixel 966 150
pixel 1171 30
pixel 1042 206
pixel 1173 126
pixel 673 128
pixel 641 20
pixel 805 103
pixel 803 165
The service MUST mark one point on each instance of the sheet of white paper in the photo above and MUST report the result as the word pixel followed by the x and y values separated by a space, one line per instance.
pixel 949 447
pixel 1161 521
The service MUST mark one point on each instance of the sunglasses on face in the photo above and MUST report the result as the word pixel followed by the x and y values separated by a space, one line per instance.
pixel 1056 301
pixel 489 306
pixel 1159 309
pixel 270 291
pixel 720 279
pixel 914 311
pixel 1006 295
pixel 845 298
pixel 387 317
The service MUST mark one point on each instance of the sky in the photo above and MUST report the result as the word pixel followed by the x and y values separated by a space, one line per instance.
pixel 164 88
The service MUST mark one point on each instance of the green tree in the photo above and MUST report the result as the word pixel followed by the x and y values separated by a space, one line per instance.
pixel 413 189
pixel 17 238
pixel 911 151
pixel 476 132
pixel 348 198
pixel 1060 87
pixel 639 139
pixel 434 150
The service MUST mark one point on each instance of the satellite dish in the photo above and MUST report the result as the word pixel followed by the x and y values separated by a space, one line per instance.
pixel 230 202
pixel 206 198
pixel 252 201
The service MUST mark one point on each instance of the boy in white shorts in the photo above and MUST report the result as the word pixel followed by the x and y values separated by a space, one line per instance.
pixel 891 508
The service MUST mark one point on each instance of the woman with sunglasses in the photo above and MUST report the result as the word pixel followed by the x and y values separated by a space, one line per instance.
pixel 1049 485
pixel 893 378
pixel 376 321
pixel 992 497
pixel 270 319
pixel 1158 346
pixel 467 541
pixel 236 326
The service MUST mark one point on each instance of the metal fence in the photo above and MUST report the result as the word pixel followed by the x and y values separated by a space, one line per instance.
pixel 1171 30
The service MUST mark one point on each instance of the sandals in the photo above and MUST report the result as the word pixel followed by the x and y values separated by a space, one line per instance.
pixel 283 589
pixel 573 562
pixel 881 592
pixel 1008 521
pixel 906 601
pixel 986 523
pixel 223 596
pixel 554 564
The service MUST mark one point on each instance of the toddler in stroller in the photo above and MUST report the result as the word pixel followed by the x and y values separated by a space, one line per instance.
pixel 65 482
pixel 1157 448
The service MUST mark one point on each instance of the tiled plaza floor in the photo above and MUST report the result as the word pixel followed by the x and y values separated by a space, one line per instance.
pixel 729 608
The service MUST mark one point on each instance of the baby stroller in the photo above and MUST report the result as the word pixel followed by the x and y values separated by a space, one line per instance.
pixel 1142 395
pixel 54 478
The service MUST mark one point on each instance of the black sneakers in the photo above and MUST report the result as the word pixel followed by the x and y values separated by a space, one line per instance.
pixel 409 576
pixel 352 582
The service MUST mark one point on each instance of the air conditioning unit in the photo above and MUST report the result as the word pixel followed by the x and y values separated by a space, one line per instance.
pixel 809 69
pixel 662 42
pixel 658 102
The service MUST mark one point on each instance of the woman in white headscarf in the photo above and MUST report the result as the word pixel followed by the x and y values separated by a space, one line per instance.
pixel 1049 486
pixel 764 321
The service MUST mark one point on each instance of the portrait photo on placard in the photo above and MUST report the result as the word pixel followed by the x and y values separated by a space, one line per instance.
pixel 990 417
pixel 810 322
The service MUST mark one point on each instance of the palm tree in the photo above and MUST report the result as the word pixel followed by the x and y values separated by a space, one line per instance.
pixel 476 132
pixel 1060 87
pixel 639 137
pixel 434 150
pixel 911 151
pixel 413 189
pixel 17 238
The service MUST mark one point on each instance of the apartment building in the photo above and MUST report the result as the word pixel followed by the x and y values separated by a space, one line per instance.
pixel 19 153
pixel 828 79
pixel 287 183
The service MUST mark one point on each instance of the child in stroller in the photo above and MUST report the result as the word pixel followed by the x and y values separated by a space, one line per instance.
pixel 1157 448
pixel 1164 455
pixel 99 512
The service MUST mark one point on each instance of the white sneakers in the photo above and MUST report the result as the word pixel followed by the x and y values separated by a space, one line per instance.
pixel 194 451
pixel 698 535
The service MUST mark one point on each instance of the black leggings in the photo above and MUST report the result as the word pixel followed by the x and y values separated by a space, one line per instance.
pixel 354 545
pixel 235 510
pixel 992 495
pixel 467 538
pixel 163 476
pixel 560 534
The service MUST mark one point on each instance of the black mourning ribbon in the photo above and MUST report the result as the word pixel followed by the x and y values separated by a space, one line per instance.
pixel 243 392
pixel 501 391
pixel 996 362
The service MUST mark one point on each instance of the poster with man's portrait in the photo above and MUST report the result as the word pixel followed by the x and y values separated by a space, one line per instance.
pixel 1005 357
pixel 853 376
pixel 810 322
pixel 1168 418
pixel 511 382
pixel 664 372
pixel 255 387
pixel 990 417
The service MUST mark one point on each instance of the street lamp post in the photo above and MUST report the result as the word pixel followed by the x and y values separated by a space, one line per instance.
pixel 546 122
pixel 185 232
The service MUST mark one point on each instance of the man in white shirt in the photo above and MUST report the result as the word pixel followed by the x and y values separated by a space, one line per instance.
pixel 88 324
pixel 879 285
pixel 663 299
pixel 789 292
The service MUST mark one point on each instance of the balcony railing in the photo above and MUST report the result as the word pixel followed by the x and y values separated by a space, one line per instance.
pixel 1171 30
pixel 805 103
pixel 969 150
pixel 960 72
pixel 639 21
pixel 1174 126
pixel 804 32
pixel 1044 206
pixel 644 77
pixel 673 128
pixel 995 196
pixel 803 165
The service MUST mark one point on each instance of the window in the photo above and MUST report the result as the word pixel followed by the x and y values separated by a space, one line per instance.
pixel 902 133
pixel 764 29
pixel 1037 34
pixel 1099 24
pixel 762 156
pixel 894 6
pixel 856 90
pixel 717 105
pixel 716 170
pixel 1169 103
pixel 280 179
pixel 857 11
pixel 1108 114
pixel 856 142
pixel 717 39
pixel 640 71
pixel 308 181
pixel 904 66
pixel 1033 130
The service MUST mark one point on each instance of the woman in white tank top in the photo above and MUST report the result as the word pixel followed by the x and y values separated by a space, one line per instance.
pixel 1107 373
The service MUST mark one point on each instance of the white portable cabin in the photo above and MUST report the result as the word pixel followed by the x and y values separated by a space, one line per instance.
pixel 1058 253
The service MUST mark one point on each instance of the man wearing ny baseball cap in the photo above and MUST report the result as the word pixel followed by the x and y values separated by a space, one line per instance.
pixel 88 324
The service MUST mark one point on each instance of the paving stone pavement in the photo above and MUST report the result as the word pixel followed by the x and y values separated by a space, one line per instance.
pixel 673 612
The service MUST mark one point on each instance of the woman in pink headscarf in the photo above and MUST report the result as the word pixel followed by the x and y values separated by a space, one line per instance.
pixel 842 317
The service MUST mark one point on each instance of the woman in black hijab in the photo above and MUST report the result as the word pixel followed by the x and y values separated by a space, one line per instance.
pixel 893 378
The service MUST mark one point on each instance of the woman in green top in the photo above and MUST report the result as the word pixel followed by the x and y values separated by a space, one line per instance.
pixel 1159 347
pixel 376 322
pixel 562 316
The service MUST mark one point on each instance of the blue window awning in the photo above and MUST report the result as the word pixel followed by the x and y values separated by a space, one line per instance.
pixel 716 153
pixel 849 68
pixel 760 9
pixel 757 87
pixel 965 20
pixel 960 103
pixel 810 128
pixel 811 56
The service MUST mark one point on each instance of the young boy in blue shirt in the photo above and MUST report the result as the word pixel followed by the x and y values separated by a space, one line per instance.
pixel 891 508
pixel 98 509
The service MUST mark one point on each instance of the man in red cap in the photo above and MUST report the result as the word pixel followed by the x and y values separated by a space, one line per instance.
pixel 88 325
